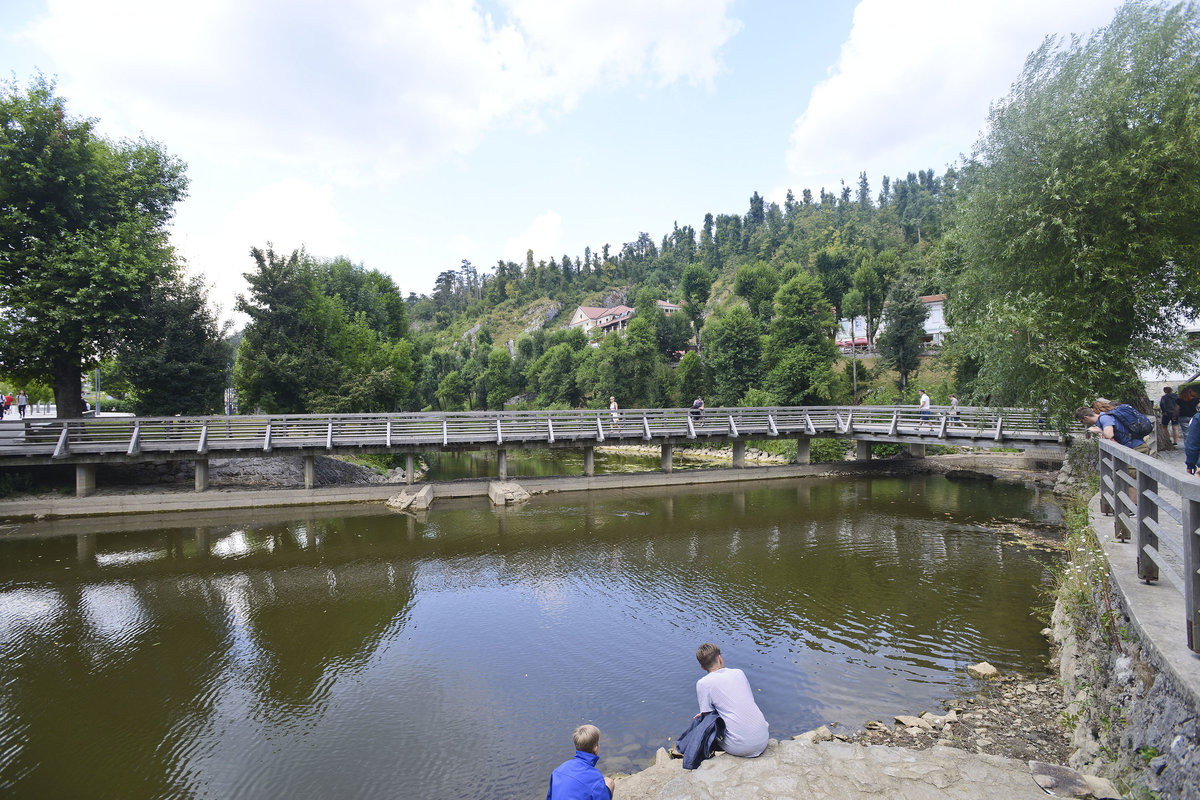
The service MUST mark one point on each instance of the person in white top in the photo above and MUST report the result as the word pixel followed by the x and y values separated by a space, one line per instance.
pixel 727 692
pixel 926 414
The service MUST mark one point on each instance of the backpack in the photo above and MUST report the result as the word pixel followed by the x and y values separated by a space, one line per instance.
pixel 1138 424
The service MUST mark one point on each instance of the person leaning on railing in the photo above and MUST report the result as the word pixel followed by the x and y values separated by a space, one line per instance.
pixel 1098 419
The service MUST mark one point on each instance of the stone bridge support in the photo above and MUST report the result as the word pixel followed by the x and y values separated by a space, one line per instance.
pixel 589 461
pixel 739 455
pixel 202 474
pixel 667 453
pixel 502 464
pixel 862 450
pixel 916 450
pixel 409 474
pixel 310 471
pixel 804 450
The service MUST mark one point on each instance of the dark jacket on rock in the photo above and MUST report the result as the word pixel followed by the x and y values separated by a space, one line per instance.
pixel 701 738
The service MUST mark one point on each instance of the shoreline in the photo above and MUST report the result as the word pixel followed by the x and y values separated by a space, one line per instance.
pixel 177 495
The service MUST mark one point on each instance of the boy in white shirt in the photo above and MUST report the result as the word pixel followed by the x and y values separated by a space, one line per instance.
pixel 728 693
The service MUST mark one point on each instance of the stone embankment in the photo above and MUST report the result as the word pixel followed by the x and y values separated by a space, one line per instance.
pixel 1006 740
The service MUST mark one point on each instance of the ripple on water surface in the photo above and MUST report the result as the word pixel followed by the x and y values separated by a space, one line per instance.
pixel 451 655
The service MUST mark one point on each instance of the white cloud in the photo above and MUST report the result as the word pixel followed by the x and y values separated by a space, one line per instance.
pixel 290 214
pixel 543 237
pixel 914 80
pixel 365 89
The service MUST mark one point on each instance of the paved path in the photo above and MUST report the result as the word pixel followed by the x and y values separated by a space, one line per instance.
pixel 797 769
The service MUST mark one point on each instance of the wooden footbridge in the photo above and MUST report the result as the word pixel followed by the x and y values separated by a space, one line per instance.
pixel 89 442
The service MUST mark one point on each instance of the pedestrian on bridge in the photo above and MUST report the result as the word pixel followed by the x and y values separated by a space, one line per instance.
pixel 1168 406
pixel 926 414
pixel 615 411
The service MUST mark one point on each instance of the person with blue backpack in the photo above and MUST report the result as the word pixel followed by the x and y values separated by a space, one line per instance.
pixel 1121 423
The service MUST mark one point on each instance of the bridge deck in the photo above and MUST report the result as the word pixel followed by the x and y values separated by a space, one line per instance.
pixel 135 439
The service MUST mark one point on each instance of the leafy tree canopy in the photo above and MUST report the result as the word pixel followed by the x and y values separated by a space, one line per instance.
pixel 1077 252
pixel 83 238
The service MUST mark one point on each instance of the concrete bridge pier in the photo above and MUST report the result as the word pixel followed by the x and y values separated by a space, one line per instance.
pixel 409 475
pixel 739 455
pixel 589 461
pixel 804 450
pixel 502 464
pixel 85 480
pixel 667 453
pixel 916 450
pixel 862 450
pixel 310 471
pixel 202 474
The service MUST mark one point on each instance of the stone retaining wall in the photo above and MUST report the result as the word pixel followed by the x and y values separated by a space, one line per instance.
pixel 1133 722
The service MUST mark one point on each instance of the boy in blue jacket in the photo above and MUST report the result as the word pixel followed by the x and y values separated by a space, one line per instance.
pixel 578 778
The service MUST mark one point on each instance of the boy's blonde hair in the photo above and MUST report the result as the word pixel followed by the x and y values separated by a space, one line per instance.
pixel 707 654
pixel 587 738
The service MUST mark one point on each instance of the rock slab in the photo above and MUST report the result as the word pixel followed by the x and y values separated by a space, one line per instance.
pixel 798 768
pixel 412 499
pixel 506 493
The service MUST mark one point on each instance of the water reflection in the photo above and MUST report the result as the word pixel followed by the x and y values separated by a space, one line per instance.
pixel 449 655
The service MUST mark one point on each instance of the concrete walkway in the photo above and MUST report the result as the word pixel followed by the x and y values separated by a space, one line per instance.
pixel 800 769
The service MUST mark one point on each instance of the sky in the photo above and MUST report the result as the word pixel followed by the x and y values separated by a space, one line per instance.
pixel 409 135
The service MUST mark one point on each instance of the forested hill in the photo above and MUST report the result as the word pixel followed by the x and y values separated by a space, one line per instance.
pixel 830 235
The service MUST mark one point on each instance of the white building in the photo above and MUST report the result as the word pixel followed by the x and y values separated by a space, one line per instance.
pixel 935 324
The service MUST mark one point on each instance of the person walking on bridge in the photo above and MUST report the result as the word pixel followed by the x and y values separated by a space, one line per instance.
pixel 926 414
pixel 1168 406
pixel 22 402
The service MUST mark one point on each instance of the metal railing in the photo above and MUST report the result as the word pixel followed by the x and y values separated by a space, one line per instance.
pixel 1158 507
pixel 134 437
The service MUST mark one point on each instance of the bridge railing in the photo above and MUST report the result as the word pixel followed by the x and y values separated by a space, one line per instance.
pixel 1157 507
pixel 136 435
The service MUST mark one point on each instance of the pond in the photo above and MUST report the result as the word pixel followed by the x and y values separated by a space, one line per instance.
pixel 365 654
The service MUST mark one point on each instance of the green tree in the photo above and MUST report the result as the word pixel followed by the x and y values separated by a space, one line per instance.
pixel 733 351
pixel 904 317
pixel 175 356
pixel 499 378
pixel 83 238
pixel 691 378
pixel 757 283
pixel 451 392
pixel 800 351
pixel 1078 239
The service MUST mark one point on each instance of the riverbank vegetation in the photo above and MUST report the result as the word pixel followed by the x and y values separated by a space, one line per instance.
pixel 1065 244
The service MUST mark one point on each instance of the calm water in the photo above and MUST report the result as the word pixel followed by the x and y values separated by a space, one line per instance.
pixel 378 655
pixel 482 463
